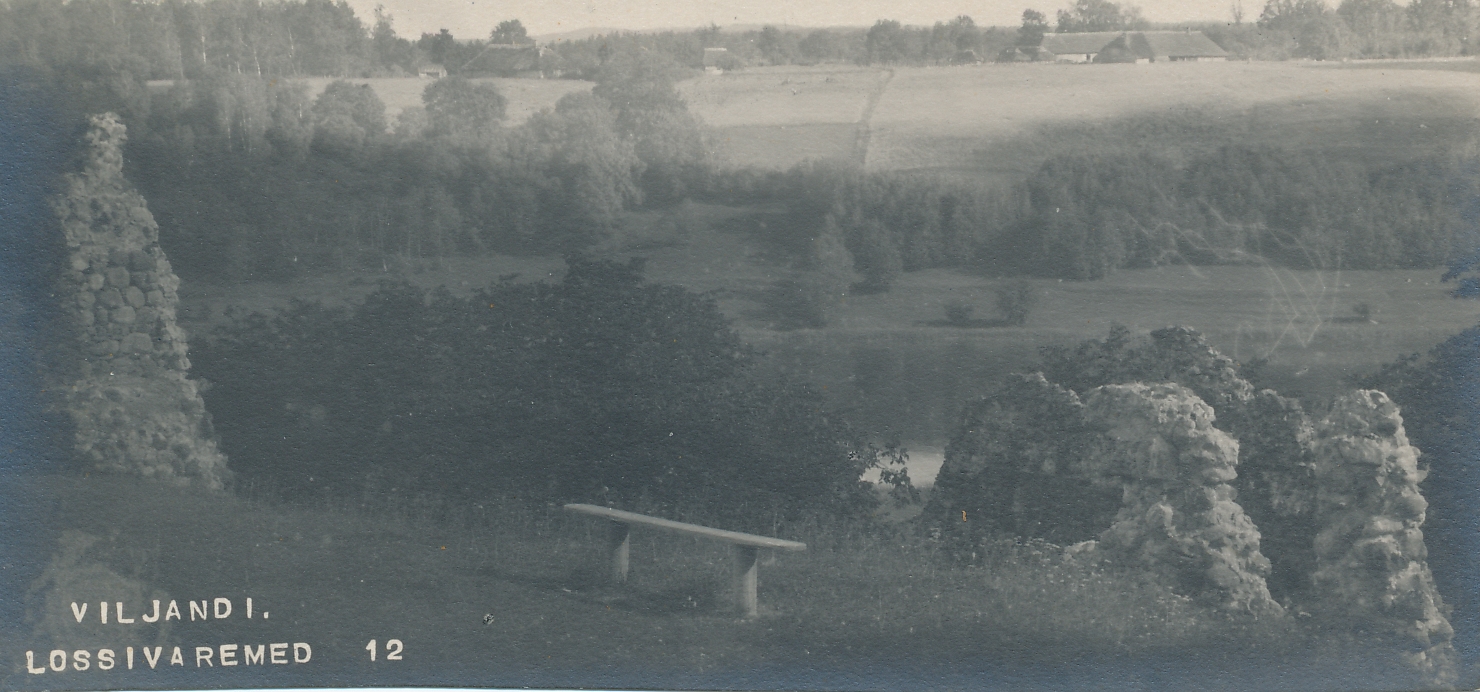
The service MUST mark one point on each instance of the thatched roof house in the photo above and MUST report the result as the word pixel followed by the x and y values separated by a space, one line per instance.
pixel 1082 47
pixel 514 60
pixel 1126 46
pixel 1162 46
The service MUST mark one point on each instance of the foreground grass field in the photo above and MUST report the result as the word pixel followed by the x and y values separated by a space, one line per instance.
pixel 503 594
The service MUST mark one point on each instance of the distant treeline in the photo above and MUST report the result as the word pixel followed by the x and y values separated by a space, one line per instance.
pixel 1082 217
pixel 1288 29
pixel 1354 29
pixel 102 51
pixel 249 177
pixel 254 177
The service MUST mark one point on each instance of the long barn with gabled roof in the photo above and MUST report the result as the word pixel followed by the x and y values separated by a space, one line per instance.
pixel 1130 46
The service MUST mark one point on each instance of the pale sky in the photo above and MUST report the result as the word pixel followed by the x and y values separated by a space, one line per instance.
pixel 476 18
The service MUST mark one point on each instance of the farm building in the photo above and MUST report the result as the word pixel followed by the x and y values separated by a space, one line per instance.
pixel 526 60
pixel 1025 54
pixel 1124 46
pixel 432 71
pixel 1084 47
pixel 1162 46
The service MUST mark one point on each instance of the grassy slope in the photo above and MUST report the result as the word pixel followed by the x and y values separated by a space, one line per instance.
pixel 869 606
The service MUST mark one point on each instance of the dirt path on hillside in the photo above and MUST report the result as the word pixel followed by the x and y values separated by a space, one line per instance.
pixel 864 132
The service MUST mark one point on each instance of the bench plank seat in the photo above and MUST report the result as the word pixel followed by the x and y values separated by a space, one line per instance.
pixel 745 547
pixel 680 527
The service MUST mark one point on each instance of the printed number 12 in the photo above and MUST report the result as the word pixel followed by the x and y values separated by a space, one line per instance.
pixel 393 648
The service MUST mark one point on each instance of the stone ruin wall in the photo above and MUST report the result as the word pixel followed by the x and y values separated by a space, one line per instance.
pixel 1179 514
pixel 133 407
pixel 1371 562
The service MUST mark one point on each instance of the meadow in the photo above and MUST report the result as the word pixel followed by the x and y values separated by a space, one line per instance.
pixel 519 590
pixel 998 122
pixel 1001 121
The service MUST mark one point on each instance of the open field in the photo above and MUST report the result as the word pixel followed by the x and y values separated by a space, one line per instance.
pixel 519 590
pixel 1001 121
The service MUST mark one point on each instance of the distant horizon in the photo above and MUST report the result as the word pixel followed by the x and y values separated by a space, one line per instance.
pixel 545 18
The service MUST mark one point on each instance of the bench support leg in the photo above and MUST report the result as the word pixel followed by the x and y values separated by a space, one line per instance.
pixel 745 580
pixel 619 543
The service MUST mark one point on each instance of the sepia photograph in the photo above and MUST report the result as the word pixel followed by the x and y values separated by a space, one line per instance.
pixel 722 345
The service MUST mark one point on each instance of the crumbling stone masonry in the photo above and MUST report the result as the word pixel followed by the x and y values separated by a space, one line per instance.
pixel 133 407
pixel 1371 562
pixel 1143 460
pixel 1179 516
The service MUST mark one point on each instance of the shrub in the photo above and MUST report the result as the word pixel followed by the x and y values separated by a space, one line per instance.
pixel 602 388
pixel 1016 300
pixel 959 313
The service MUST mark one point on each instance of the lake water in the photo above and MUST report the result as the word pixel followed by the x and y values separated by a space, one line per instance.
pixel 923 464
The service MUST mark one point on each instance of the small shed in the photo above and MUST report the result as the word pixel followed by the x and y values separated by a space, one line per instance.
pixel 431 71
pixel 716 59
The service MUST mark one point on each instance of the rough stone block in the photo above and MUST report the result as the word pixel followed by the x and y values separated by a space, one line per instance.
pixel 110 297
pixel 1179 516
pixel 118 277
pixel 133 296
pixel 140 261
pixel 136 342
pixel 123 315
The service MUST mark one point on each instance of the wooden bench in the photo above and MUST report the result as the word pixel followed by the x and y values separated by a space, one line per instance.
pixel 745 547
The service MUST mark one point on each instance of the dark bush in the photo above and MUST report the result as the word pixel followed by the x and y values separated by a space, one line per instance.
pixel 1008 471
pixel 1016 300
pixel 601 388
pixel 959 313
